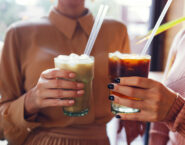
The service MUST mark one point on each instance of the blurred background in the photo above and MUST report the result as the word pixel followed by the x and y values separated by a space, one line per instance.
pixel 138 15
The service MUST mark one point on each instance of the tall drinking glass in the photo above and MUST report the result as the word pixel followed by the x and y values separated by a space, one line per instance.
pixel 83 66
pixel 126 65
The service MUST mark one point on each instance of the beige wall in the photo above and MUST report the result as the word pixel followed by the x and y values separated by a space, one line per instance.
pixel 176 10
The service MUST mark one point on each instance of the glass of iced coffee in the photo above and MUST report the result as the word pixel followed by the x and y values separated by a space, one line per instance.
pixel 83 66
pixel 126 65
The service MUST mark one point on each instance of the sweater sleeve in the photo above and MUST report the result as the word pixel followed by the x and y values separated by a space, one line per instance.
pixel 175 80
pixel 175 119
pixel 12 121
pixel 121 40
pixel 158 134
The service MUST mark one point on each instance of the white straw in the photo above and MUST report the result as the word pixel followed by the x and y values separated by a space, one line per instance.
pixel 156 26
pixel 96 28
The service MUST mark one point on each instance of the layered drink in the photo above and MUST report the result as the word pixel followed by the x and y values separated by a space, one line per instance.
pixel 83 66
pixel 127 65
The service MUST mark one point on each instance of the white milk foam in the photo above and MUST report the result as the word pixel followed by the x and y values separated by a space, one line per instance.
pixel 74 59
pixel 128 56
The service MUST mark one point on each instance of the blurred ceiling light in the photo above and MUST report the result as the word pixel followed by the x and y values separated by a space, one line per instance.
pixel 26 2
pixel 52 1
pixel 25 18
pixel 135 2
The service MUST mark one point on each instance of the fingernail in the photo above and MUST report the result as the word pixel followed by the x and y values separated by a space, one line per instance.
pixel 72 75
pixel 118 116
pixel 110 86
pixel 111 98
pixel 117 80
pixel 81 92
pixel 80 85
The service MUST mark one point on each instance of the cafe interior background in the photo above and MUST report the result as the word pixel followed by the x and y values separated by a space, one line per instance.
pixel 138 15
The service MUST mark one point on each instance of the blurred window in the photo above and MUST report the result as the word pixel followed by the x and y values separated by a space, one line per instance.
pixel 134 13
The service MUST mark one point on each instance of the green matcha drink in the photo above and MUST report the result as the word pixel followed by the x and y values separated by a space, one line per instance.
pixel 83 66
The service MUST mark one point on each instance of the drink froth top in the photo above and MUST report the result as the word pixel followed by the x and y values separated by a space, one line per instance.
pixel 74 58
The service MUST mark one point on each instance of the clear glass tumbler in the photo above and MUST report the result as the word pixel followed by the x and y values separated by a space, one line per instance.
pixel 83 66
pixel 126 65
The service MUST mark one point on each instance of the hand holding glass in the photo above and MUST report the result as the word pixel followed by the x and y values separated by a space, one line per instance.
pixel 126 65
pixel 83 66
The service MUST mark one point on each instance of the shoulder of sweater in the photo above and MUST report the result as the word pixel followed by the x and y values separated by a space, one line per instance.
pixel 181 32
pixel 178 39
pixel 115 25
pixel 31 24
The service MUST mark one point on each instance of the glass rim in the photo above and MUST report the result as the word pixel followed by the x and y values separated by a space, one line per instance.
pixel 91 58
pixel 79 61
pixel 130 56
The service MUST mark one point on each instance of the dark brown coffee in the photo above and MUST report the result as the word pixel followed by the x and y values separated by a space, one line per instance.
pixel 127 65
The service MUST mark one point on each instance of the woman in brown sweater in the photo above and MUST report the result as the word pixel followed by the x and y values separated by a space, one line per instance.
pixel 30 107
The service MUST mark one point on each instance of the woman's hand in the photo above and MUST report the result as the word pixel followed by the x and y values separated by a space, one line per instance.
pixel 50 90
pixel 155 100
